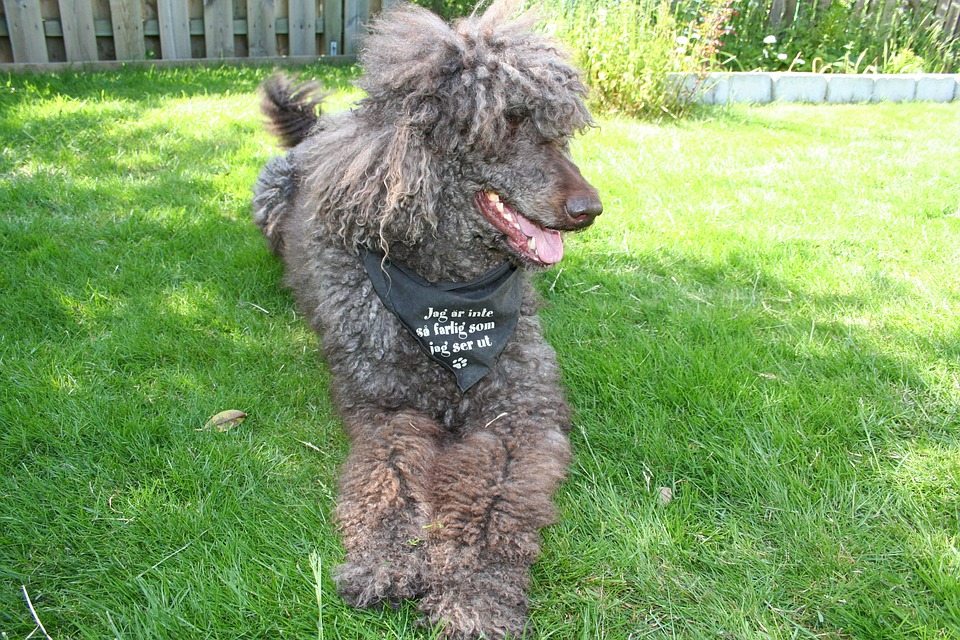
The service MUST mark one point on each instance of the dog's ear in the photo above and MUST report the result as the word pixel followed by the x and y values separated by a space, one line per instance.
pixel 385 188
pixel 410 187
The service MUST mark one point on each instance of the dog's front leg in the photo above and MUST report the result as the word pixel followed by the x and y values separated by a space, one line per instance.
pixel 492 492
pixel 384 506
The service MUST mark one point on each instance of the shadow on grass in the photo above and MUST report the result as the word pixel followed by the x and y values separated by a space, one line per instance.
pixel 142 301
pixel 107 241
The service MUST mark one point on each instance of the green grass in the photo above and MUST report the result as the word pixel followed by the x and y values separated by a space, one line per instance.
pixel 766 320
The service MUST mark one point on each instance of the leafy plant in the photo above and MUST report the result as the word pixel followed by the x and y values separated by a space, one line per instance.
pixel 904 61
pixel 631 51
pixel 626 50
pixel 836 36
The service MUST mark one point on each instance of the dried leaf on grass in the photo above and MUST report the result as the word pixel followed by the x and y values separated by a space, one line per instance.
pixel 224 421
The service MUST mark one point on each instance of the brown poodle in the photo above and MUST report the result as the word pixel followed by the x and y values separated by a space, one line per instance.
pixel 409 227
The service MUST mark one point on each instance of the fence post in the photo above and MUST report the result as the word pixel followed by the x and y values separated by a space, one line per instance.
pixel 776 14
pixel 174 29
pixel 127 23
pixel 356 16
pixel 333 27
pixel 26 31
pixel 76 20
pixel 261 28
pixel 218 28
pixel 951 19
pixel 303 27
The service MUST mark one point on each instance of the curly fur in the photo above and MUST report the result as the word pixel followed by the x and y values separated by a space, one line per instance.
pixel 291 110
pixel 444 493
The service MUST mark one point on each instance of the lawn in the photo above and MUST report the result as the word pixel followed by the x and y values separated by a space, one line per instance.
pixel 765 320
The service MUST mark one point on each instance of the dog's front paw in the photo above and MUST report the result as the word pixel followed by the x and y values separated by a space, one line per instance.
pixel 484 606
pixel 367 584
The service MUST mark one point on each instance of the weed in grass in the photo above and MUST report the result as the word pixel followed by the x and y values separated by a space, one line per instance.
pixel 765 320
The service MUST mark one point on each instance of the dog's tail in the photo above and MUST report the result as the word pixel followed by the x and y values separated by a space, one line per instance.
pixel 291 109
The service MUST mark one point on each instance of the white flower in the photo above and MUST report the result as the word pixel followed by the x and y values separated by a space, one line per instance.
pixel 799 62
pixel 683 41
pixel 781 57
pixel 770 40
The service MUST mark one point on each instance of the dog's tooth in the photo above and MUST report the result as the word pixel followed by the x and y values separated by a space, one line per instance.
pixel 492 197
pixel 499 206
pixel 532 243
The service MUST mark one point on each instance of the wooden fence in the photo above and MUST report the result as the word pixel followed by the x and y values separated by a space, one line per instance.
pixel 946 12
pixel 40 33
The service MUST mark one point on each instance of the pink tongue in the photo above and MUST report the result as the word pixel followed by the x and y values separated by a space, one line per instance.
pixel 549 242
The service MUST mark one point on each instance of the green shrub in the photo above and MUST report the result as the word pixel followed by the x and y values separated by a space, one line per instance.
pixel 838 36
pixel 904 61
pixel 625 51
pixel 630 51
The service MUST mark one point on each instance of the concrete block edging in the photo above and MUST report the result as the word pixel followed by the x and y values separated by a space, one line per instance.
pixel 817 88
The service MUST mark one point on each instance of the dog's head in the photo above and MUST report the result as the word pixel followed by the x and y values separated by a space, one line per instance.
pixel 478 117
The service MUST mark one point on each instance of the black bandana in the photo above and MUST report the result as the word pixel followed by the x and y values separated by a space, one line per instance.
pixel 463 326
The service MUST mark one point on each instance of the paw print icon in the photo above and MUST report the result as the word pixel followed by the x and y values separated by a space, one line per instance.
pixel 459 363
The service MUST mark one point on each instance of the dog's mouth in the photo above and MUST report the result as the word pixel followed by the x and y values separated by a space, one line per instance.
pixel 532 241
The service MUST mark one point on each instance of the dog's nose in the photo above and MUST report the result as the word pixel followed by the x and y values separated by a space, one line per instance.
pixel 584 206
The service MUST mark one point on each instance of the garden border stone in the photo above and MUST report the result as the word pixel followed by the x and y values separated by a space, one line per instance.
pixel 892 88
pixel 799 87
pixel 938 88
pixel 847 89
pixel 762 87
pixel 750 87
